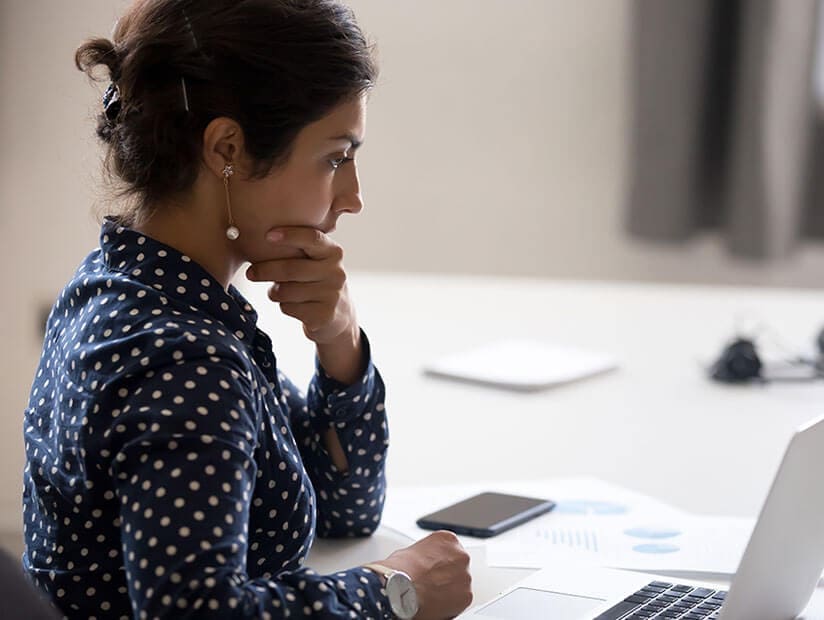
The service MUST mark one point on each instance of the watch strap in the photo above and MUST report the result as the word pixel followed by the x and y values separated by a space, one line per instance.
pixel 383 571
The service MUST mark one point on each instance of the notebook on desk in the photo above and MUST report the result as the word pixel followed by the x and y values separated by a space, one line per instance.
pixel 775 578
pixel 522 365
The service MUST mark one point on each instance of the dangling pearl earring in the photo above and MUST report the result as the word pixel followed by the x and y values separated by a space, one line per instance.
pixel 232 232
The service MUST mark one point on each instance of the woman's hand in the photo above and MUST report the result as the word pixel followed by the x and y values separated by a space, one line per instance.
pixel 309 283
pixel 439 568
pixel 311 287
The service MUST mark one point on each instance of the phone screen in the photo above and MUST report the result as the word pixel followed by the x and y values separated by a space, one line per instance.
pixel 486 514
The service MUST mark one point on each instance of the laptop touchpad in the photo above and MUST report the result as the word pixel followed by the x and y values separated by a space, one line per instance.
pixel 523 603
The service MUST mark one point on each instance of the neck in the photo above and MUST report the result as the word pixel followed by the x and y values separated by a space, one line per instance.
pixel 194 233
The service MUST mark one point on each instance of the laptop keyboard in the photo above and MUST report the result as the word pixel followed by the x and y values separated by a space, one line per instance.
pixel 661 600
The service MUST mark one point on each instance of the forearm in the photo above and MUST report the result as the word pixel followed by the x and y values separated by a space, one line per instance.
pixel 333 446
pixel 345 423
pixel 343 361
pixel 350 505
pixel 350 502
pixel 342 358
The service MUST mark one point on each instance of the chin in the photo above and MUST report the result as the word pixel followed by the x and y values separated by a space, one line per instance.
pixel 326 229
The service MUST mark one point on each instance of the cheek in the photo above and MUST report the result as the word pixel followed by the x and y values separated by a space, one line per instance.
pixel 293 198
pixel 305 202
pixel 258 203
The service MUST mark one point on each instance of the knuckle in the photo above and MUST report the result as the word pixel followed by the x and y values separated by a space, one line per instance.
pixel 339 276
pixel 447 536
pixel 281 292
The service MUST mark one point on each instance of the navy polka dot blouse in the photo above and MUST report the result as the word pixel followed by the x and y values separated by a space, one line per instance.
pixel 172 471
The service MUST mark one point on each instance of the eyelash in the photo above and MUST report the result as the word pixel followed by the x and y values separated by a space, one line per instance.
pixel 339 161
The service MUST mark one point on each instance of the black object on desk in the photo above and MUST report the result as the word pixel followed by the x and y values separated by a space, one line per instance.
pixel 486 514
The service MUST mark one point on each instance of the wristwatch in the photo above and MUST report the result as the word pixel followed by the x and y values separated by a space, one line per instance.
pixel 403 599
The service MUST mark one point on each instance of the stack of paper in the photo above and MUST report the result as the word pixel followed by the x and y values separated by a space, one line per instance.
pixel 594 523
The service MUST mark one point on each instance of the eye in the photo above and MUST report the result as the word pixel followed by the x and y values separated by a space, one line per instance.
pixel 339 161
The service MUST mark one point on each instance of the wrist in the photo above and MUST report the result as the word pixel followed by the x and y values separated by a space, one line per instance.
pixel 378 569
pixel 400 590
pixel 342 357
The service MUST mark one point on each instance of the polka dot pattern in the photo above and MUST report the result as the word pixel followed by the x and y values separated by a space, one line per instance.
pixel 172 470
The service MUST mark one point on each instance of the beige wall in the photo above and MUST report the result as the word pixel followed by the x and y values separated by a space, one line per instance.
pixel 496 143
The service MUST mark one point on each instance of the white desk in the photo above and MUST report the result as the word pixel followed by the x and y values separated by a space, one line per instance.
pixel 657 425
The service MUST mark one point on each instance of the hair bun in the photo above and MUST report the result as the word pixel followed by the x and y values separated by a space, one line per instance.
pixel 96 52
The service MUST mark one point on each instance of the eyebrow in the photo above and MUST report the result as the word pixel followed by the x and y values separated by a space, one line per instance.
pixel 349 138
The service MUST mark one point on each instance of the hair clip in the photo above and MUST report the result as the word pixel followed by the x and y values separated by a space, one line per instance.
pixel 111 101
pixel 185 93
pixel 190 30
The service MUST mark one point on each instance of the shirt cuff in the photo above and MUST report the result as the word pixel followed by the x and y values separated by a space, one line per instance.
pixel 337 403
pixel 382 608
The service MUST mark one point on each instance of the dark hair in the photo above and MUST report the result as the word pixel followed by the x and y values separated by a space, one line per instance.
pixel 274 66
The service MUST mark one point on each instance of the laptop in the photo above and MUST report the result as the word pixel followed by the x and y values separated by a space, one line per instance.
pixel 775 580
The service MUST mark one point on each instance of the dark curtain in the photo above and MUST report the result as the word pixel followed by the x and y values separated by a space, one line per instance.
pixel 725 127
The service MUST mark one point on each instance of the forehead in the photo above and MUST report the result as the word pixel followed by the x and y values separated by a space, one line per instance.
pixel 347 118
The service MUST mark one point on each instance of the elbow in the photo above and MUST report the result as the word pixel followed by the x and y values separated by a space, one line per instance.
pixel 348 527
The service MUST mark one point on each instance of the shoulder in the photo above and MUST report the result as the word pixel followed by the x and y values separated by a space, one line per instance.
pixel 119 326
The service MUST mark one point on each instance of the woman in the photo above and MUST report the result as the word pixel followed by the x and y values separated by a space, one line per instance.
pixel 172 470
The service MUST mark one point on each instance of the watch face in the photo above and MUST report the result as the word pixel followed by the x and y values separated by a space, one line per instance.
pixel 402 595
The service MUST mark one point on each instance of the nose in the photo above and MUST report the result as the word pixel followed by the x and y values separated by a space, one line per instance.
pixel 348 196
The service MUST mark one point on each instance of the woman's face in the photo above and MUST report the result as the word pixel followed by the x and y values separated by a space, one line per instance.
pixel 317 184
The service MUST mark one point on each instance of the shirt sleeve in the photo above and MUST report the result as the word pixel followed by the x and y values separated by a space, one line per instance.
pixel 183 471
pixel 349 504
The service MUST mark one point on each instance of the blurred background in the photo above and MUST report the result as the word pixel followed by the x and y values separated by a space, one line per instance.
pixel 661 140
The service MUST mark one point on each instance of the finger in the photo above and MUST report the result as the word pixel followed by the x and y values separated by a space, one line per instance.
pixel 294 270
pixel 314 315
pixel 313 242
pixel 300 293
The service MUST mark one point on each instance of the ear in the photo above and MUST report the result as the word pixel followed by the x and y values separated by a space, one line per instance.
pixel 223 142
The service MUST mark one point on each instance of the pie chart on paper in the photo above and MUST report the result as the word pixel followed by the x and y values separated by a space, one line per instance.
pixel 652 533
pixel 656 548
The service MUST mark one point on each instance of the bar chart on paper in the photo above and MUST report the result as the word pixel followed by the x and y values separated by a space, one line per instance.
pixel 584 539
pixel 648 540
pixel 661 542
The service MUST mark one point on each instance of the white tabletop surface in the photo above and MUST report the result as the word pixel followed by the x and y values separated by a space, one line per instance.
pixel 656 425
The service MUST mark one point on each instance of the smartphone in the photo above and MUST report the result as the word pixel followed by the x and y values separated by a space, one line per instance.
pixel 486 514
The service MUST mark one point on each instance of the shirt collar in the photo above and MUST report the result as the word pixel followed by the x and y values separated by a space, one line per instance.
pixel 177 276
